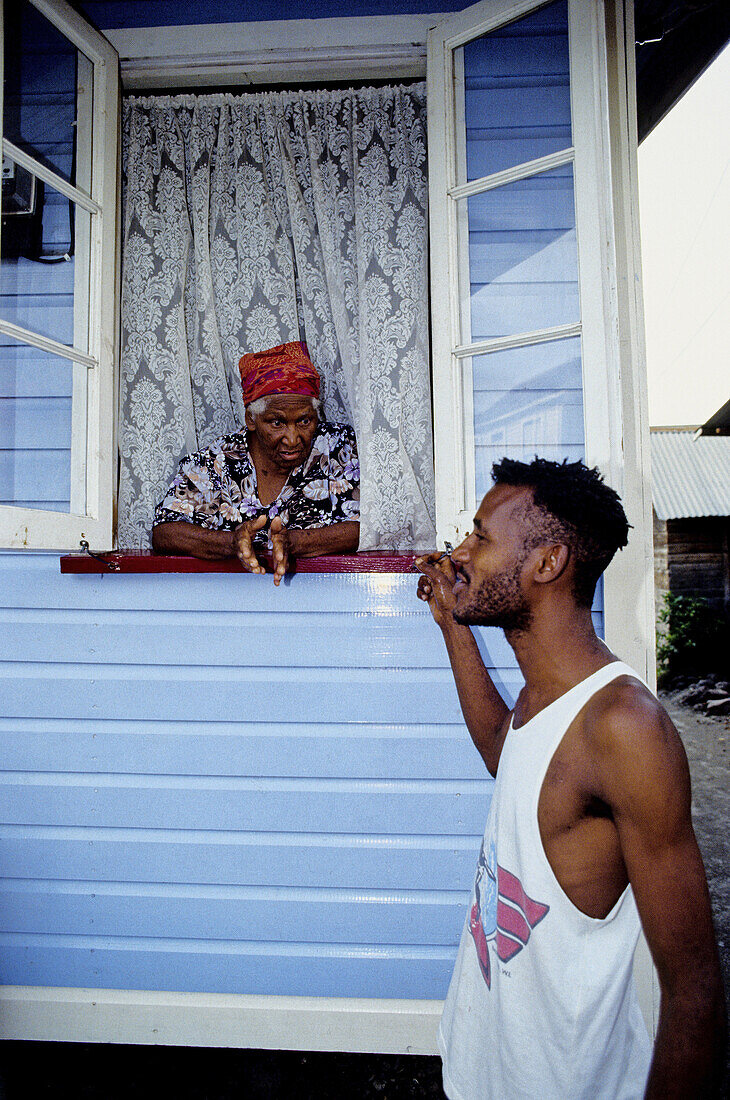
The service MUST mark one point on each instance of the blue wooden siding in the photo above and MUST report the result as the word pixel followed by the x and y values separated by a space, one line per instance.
pixel 36 388
pixel 517 93
pixel 522 243
pixel 211 785
pixel 141 13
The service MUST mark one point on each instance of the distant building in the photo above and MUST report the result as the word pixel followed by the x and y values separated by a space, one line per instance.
pixel 691 497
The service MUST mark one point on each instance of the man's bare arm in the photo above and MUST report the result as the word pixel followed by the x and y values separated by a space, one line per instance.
pixel 644 778
pixel 484 710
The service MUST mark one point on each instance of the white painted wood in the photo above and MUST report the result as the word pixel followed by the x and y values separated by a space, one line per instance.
pixel 521 340
pixel 82 263
pixel 74 27
pixel 351 48
pixel 219 1020
pixel 50 177
pixel 630 614
pixel 512 175
pixel 453 423
pixel 94 478
pixel 463 366
pixel 45 343
pixel 445 297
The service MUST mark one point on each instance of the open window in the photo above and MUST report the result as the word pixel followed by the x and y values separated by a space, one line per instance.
pixel 58 284
pixel 534 313
pixel 537 343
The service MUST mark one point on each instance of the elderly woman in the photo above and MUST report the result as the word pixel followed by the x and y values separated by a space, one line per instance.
pixel 289 483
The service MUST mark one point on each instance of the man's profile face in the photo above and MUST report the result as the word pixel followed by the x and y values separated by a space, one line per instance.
pixel 489 562
pixel 283 433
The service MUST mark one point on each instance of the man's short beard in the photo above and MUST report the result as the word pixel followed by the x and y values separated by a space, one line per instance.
pixel 499 601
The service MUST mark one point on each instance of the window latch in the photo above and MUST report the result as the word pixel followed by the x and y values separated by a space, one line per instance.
pixel 112 566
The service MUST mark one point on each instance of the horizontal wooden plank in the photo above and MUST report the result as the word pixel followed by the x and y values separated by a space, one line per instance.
pixel 34 475
pixel 253 639
pixel 232 913
pixel 24 276
pixel 35 423
pixel 358 750
pixel 47 315
pixel 561 408
pixel 29 372
pixel 201 803
pixel 542 202
pixel 40 505
pixel 555 365
pixel 534 45
pixel 376 862
pixel 519 105
pixel 186 693
pixel 33 580
pixel 287 969
pixel 499 147
pixel 535 256
pixel 503 310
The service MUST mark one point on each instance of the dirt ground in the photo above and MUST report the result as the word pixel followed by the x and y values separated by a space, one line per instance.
pixel 91 1072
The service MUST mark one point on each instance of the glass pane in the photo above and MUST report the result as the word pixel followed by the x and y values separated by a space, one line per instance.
pixel 35 428
pixel 47 89
pixel 44 274
pixel 516 93
pixel 527 401
pixel 523 262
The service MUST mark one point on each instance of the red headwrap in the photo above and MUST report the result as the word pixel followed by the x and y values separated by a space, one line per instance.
pixel 283 369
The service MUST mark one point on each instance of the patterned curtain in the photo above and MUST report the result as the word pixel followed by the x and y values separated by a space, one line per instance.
pixel 257 219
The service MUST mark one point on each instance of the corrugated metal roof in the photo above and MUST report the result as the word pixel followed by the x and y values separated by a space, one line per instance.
pixel 690 477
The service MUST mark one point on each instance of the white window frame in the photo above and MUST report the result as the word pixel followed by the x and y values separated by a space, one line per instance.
pixel 96 305
pixel 603 155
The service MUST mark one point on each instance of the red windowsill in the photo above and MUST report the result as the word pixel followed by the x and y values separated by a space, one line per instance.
pixel 145 561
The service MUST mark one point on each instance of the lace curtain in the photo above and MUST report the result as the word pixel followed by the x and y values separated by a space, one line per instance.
pixel 257 219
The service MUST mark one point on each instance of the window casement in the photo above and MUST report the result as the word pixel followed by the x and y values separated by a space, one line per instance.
pixel 537 337
pixel 58 278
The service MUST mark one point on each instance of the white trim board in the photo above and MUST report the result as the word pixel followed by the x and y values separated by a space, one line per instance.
pixel 219 1020
pixel 275 51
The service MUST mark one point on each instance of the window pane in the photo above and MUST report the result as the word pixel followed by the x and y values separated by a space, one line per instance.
pixel 44 274
pixel 35 428
pixel 527 401
pixel 43 99
pixel 516 93
pixel 523 264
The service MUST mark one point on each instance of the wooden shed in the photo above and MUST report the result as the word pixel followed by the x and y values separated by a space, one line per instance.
pixel 691 494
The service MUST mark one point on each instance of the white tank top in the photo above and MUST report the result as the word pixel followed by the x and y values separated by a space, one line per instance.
pixel 542 1001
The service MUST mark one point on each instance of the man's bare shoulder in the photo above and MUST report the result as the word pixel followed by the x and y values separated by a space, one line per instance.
pixel 632 740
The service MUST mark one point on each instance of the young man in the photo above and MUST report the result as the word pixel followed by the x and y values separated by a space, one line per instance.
pixel 589 828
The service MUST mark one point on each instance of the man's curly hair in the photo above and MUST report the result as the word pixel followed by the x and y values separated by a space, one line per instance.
pixel 571 505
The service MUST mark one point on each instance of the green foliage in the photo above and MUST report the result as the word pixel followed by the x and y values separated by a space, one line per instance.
pixel 691 638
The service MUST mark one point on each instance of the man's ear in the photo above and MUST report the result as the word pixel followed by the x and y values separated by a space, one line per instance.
pixel 551 563
pixel 250 422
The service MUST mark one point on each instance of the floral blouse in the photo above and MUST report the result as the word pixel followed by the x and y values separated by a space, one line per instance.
pixel 216 488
